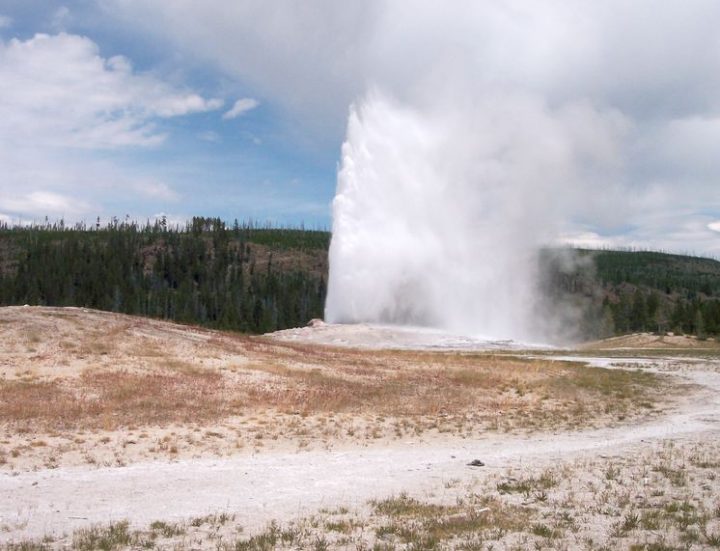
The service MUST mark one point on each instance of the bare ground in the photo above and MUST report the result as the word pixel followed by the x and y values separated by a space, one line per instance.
pixel 200 439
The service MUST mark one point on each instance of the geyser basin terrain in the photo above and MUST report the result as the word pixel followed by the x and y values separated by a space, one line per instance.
pixel 110 405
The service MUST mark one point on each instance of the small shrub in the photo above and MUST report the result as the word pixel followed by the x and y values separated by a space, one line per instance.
pixel 106 538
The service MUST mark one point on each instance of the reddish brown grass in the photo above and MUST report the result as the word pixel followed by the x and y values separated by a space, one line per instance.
pixel 394 385
pixel 110 399
pixel 164 374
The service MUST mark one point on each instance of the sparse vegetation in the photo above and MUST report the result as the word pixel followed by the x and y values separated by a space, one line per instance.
pixel 113 536
pixel 583 508
pixel 253 392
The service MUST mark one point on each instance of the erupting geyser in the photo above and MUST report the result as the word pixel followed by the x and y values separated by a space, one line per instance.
pixel 441 208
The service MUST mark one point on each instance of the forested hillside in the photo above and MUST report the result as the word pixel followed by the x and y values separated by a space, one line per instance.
pixel 252 279
pixel 624 292
pixel 241 277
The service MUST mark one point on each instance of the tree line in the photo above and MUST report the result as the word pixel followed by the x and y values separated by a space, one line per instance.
pixel 256 279
pixel 204 273
pixel 623 292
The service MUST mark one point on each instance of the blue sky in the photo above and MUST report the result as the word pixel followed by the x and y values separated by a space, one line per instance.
pixel 259 164
pixel 115 107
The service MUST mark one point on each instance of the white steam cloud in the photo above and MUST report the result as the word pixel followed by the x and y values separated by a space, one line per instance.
pixel 441 208
pixel 500 126
pixel 653 67
pixel 519 124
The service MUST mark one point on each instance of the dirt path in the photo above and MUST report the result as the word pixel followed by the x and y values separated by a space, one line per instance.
pixel 259 488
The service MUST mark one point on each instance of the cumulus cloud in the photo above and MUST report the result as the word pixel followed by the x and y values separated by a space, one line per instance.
pixel 306 57
pixel 47 202
pixel 61 103
pixel 58 90
pixel 241 107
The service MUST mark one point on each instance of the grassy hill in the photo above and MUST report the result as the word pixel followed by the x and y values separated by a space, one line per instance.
pixel 252 279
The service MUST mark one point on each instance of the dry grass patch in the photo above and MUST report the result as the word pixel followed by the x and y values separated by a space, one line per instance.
pixel 110 399
pixel 479 388
pixel 429 384
pixel 403 521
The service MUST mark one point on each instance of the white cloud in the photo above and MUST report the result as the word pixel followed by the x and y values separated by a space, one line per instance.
pixel 589 240
pixel 209 136
pixel 65 114
pixel 61 18
pixel 681 230
pixel 154 189
pixel 317 57
pixel 5 21
pixel 47 202
pixel 308 57
pixel 173 106
pixel 241 107
pixel 58 91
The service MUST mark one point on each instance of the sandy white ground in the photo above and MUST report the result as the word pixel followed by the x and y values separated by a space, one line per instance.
pixel 378 337
pixel 383 337
pixel 259 488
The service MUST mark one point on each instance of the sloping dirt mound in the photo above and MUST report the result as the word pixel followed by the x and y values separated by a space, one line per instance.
pixel 652 341
pixel 42 343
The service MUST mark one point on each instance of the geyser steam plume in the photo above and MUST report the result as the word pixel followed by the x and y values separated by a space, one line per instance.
pixel 441 208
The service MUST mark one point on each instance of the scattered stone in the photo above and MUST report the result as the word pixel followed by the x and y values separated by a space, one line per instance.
pixel 476 463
